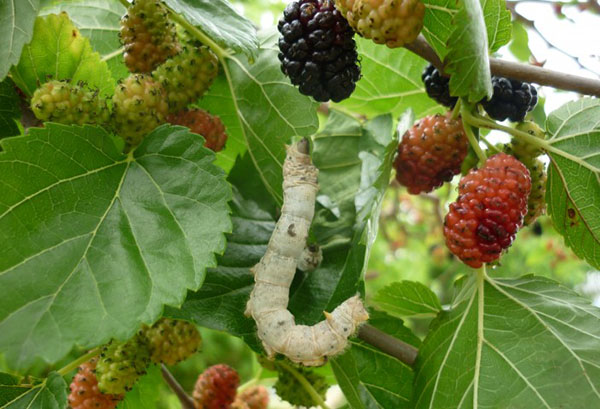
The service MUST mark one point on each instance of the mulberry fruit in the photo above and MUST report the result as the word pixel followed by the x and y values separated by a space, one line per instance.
pixel 148 36
pixel 536 205
pixel 524 150
pixel 390 22
pixel 216 387
pixel 121 364
pixel 138 107
pixel 202 123
pixel 85 393
pixel 431 153
pixel 436 86
pixel 512 99
pixel 187 76
pixel 255 397
pixel 69 104
pixel 171 341
pixel 489 210
pixel 317 51
pixel 289 389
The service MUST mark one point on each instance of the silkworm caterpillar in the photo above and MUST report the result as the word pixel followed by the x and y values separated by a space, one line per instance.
pixel 273 275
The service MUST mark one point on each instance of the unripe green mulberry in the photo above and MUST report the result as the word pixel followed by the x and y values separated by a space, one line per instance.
pixel 121 364
pixel 138 107
pixel 536 205
pixel 289 389
pixel 69 104
pixel 172 341
pixel 524 150
pixel 148 35
pixel 187 76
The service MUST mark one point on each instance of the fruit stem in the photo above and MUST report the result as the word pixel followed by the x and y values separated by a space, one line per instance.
pixel 184 398
pixel 480 121
pixel 115 53
pixel 456 109
pixel 489 145
pixel 305 384
pixel 74 364
pixel 471 136
pixel 251 382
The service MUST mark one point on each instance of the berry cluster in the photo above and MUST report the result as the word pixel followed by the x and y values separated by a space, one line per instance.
pixel 101 382
pixel 167 78
pixel 317 51
pixel 431 153
pixel 489 210
pixel 148 36
pixel 512 99
pixel 202 123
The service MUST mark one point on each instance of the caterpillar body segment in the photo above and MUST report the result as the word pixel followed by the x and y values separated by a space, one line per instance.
pixel 273 275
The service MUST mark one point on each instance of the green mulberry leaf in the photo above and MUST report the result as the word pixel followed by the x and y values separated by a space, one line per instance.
pixel 101 241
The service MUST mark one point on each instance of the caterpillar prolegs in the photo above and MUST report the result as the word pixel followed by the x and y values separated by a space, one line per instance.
pixel 273 275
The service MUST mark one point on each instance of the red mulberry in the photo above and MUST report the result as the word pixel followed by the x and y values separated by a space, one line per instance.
pixel 431 153
pixel 85 393
pixel 489 210
pixel 216 387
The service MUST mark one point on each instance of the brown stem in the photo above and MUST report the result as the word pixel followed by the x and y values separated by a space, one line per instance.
pixel 184 398
pixel 392 346
pixel 523 72
pixel 531 25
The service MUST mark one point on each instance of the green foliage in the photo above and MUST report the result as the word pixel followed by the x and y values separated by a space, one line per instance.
pixel 469 357
pixel 16 29
pixel 10 110
pixel 407 299
pixel 219 20
pixel 269 112
pixel 50 394
pixel 402 88
pixel 440 23
pixel 108 203
pixel 98 21
pixel 359 370
pixel 519 46
pixel 58 51
pixel 101 242
pixel 467 61
pixel 573 192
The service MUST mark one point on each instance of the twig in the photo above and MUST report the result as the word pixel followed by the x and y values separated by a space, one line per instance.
pixel 184 398
pixel 404 352
pixel 523 72
pixel 531 24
